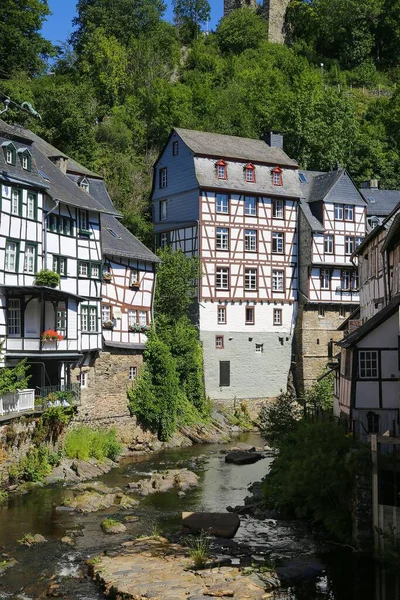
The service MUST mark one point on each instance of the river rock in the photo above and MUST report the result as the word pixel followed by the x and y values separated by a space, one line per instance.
pixel 67 540
pixel 165 481
pixel 240 457
pixel 110 526
pixel 241 446
pixel 97 486
pixel 93 501
pixel 7 563
pixel 223 525
pixel 32 540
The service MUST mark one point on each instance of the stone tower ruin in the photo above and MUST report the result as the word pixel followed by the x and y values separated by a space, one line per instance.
pixel 274 11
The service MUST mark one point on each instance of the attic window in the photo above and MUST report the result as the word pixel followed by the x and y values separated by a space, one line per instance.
pixel 277 176
pixel 303 178
pixel 26 161
pixel 112 232
pixel 84 184
pixel 221 168
pixel 43 174
pixel 250 173
pixel 10 153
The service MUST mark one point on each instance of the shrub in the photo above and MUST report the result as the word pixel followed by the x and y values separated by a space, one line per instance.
pixel 37 464
pixel 199 550
pixel 47 278
pixel 14 378
pixel 84 443
pixel 278 420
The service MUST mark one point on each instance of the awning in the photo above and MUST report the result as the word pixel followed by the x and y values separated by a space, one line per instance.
pixel 124 345
pixel 37 290
pixel 43 355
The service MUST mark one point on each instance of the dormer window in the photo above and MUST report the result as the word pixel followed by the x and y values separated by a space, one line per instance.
pixel 250 173
pixel 277 176
pixel 84 184
pixel 221 168
pixel 10 153
pixel 25 157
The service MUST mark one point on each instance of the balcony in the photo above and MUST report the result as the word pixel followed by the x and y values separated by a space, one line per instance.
pixel 58 395
pixel 17 402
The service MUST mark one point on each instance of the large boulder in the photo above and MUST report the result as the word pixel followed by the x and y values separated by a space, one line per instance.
pixel 93 501
pixel 240 457
pixel 223 525
pixel 165 481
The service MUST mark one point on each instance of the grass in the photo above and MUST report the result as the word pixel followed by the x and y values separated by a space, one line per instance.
pixel 84 443
pixel 106 524
pixel 27 540
pixel 199 550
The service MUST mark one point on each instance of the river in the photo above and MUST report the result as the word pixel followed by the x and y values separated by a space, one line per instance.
pixel 221 485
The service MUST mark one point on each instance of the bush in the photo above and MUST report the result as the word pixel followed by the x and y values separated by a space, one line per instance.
pixel 36 465
pixel 278 420
pixel 84 443
pixel 47 278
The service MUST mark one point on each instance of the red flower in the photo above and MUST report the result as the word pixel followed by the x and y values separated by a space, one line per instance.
pixel 50 334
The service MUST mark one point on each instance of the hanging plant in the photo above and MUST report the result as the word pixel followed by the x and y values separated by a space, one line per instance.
pixel 51 336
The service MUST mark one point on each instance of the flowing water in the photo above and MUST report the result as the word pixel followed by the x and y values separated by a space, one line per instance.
pixel 221 485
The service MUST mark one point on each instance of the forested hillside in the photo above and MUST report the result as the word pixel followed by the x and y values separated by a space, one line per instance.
pixel 126 77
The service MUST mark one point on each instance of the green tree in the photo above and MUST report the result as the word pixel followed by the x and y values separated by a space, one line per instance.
pixel 240 30
pixel 14 378
pixel 176 283
pixel 189 15
pixel 22 48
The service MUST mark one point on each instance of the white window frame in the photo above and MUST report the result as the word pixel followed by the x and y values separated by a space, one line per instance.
pixel 278 242
pixel 221 315
pixel 29 258
pixel 163 240
pixel 143 318
pixel 250 279
pixel 277 316
pixel 278 280
pixel 222 203
pixel 9 156
pixel 105 313
pixel 83 379
pixel 250 206
pixel 325 279
pixel 61 320
pixel 11 256
pixel 222 278
pixel 338 212
pixel 222 238
pixel 15 202
pixel 250 174
pixel 368 365
pixel 132 318
pixel 25 162
pixel 250 240
pixel 349 212
pixel 163 210
pixel 349 244
pixel 219 342
pixel 83 269
pixel 133 373
pixel 83 220
pixel 278 208
pixel 328 244
pixel 345 280
pixel 163 178
pixel 14 317
pixel 30 206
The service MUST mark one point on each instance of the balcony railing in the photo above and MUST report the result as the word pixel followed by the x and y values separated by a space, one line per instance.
pixel 17 402
pixel 58 395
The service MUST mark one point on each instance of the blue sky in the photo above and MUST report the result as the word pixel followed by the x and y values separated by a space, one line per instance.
pixel 58 26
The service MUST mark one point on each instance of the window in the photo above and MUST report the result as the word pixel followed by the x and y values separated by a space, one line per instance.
pixel 219 342
pixel 321 311
pixel 278 209
pixel 342 312
pixel 277 176
pixel 250 206
pixel 372 422
pixel 26 162
pixel 133 370
pixel 95 270
pixel 250 279
pixel 277 242
pixel 338 209
pixel 31 206
pixel 349 244
pixel 60 265
pixel 14 318
pixel 224 373
pixel 163 210
pixel 89 318
pixel 250 173
pixel 163 178
pixel 11 261
pixel 359 241
pixel 61 320
pixel 83 380
pixel 222 201
pixel 10 154
pixel 250 315
pixel 259 348
pixel 134 277
pixel 222 238
pixel 368 364
pixel 30 258
pixel 355 281
pixel 325 275
pixel 328 244
pixel 83 269
pixel 142 318
pixel 83 221
pixel 84 184
pixel 163 240
pixel 16 202
pixel 349 213
pixel 105 313
pixel 221 170
pixel 58 224
pixel 277 316
pixel 175 148
pixel 250 240
pixel 345 280
pixel 303 178
pixel 222 278
pixel 277 280
pixel 221 315
pixel 132 318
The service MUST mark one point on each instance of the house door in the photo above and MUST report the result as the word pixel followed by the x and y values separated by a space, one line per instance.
pixel 224 373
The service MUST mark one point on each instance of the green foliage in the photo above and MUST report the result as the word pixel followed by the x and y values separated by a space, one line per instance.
pixel 241 30
pixel 314 475
pixel 155 397
pixel 14 378
pixel 106 524
pixel 189 15
pixel 199 550
pixel 176 283
pixel 320 395
pixel 277 420
pixel 242 415
pixel 22 48
pixel 85 443
pixel 48 278
pixel 36 464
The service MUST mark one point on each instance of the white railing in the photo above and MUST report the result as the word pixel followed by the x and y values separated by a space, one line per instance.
pixel 16 402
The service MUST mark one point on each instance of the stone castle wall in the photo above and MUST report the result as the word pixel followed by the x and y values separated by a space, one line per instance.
pixel 275 11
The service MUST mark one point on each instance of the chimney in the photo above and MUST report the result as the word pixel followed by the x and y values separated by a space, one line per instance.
pixel 275 140
pixel 371 184
pixel 60 162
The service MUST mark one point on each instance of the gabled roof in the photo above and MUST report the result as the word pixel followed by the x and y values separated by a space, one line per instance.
pixel 385 225
pixel 380 202
pixel 313 221
pixel 125 244
pixel 353 338
pixel 233 147
pixel 98 190
pixel 320 184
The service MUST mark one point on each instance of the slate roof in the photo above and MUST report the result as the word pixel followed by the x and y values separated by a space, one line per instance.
pixel 380 202
pixel 313 221
pixel 98 190
pixel 230 146
pixel 126 244
pixel 15 173
pixel 372 323
pixel 386 224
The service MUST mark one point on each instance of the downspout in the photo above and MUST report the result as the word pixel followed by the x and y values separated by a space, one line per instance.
pixel 44 219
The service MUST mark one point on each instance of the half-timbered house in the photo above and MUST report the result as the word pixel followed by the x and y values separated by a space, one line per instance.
pixel 332 219
pixel 233 202
pixel 380 203
pixel 367 390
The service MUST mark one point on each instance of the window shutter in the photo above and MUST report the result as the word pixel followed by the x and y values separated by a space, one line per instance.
pixel 224 373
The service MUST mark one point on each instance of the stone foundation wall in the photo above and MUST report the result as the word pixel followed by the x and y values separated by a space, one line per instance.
pixel 15 441
pixel 104 401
